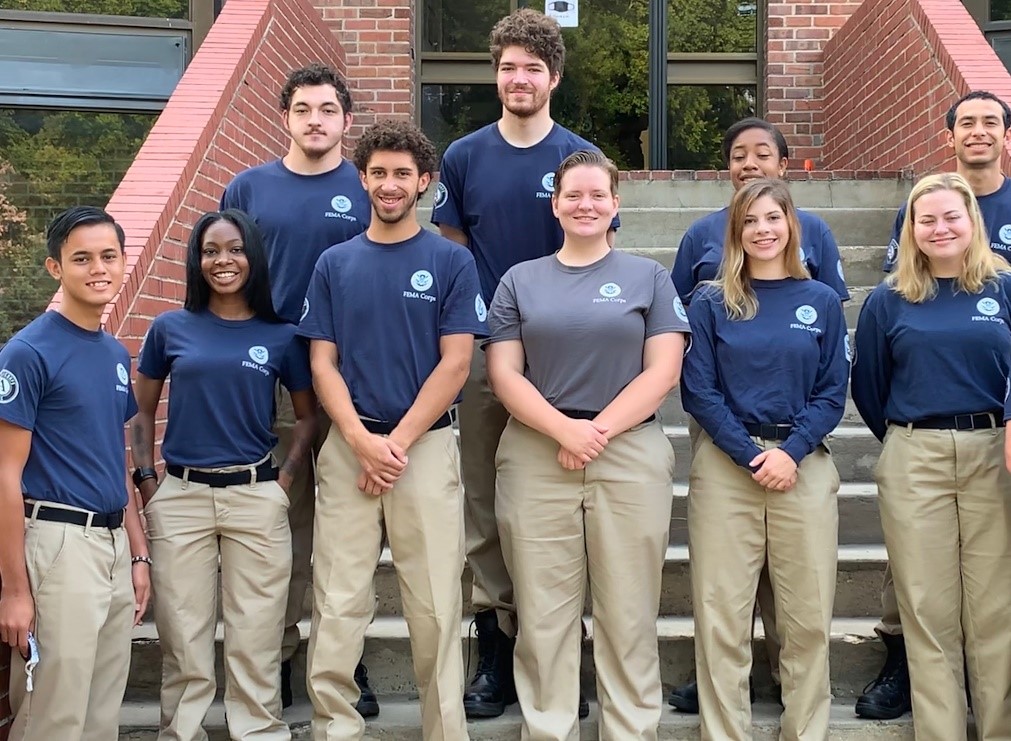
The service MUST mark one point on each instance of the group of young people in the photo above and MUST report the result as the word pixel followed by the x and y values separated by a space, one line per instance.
pixel 309 422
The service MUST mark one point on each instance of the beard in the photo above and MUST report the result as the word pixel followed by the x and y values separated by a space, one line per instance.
pixel 394 217
pixel 534 105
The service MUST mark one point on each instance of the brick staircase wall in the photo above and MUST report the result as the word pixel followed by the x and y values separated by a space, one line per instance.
pixel 890 74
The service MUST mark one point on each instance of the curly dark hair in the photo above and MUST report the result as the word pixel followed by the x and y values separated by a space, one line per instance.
pixel 396 136
pixel 539 34
pixel 315 74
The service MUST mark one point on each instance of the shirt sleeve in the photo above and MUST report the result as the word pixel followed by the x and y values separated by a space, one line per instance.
pixel 317 310
pixel 23 380
pixel 463 311
pixel 700 389
pixel 153 361
pixel 892 253
pixel 872 368
pixel 683 272
pixel 296 374
pixel 230 197
pixel 448 204
pixel 830 267
pixel 131 399
pixel 666 313
pixel 504 316
pixel 825 407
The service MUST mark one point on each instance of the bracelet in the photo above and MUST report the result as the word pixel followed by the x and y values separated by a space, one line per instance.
pixel 141 559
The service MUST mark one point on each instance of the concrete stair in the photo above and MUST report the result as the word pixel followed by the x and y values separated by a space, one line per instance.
pixel 654 217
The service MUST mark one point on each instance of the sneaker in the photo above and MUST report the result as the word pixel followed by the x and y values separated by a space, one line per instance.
pixel 888 696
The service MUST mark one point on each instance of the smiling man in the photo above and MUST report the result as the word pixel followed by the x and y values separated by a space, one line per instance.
pixel 303 203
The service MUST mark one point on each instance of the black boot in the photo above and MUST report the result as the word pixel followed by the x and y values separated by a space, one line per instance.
pixel 888 697
pixel 686 697
pixel 584 706
pixel 492 687
pixel 368 705
pixel 286 698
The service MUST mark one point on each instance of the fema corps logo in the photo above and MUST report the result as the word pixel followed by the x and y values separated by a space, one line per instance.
pixel 806 314
pixel 259 354
pixel 441 194
pixel 480 309
pixel 803 255
pixel 1005 234
pixel 848 348
pixel 9 387
pixel 838 269
pixel 679 309
pixel 340 204
pixel 988 307
pixel 121 373
pixel 610 290
pixel 893 251
pixel 421 281
pixel 548 182
pixel 305 308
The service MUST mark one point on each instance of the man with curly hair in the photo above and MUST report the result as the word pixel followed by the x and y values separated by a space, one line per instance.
pixel 494 196
pixel 392 318
pixel 303 203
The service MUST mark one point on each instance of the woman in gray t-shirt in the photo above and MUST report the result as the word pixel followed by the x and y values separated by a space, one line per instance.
pixel 585 345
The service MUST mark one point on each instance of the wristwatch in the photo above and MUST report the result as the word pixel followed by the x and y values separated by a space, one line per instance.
pixel 142 474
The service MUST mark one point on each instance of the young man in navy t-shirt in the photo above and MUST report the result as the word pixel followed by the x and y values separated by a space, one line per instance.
pixel 75 581
pixel 392 319
pixel 494 197
pixel 303 203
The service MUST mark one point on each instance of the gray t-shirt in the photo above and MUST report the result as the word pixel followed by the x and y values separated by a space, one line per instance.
pixel 583 328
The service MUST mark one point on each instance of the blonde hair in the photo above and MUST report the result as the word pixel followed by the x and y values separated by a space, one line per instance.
pixel 912 278
pixel 733 279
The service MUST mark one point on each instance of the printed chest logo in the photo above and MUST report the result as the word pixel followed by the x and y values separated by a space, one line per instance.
pixel 480 309
pixel 893 252
pixel 441 195
pixel 259 355
pixel 9 387
pixel 547 185
pixel 421 283
pixel 609 294
pixel 848 348
pixel 340 206
pixel 124 378
pixel 988 309
pixel 679 309
pixel 806 316
pixel 1005 234
pixel 839 270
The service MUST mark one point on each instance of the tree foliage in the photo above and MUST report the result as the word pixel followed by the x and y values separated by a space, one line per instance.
pixel 142 8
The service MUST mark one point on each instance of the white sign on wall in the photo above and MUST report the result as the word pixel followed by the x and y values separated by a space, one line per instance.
pixel 566 12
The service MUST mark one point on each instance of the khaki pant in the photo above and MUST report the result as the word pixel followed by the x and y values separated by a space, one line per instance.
pixel 610 521
pixel 83 589
pixel 192 526
pixel 482 418
pixel 734 526
pixel 945 501
pixel 301 496
pixel 423 520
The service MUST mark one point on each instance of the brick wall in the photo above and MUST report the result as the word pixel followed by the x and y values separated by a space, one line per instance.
pixel 892 72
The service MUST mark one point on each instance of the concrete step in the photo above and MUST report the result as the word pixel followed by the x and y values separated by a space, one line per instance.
pixel 400 720
pixel 856 657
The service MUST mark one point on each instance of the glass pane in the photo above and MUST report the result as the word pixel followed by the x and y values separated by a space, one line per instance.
pixel 51 160
pixel 712 26
pixel 139 8
pixel 460 25
pixel 1002 45
pixel 1000 10
pixel 450 111
pixel 697 116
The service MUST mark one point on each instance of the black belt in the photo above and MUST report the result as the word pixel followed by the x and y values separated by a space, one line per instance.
pixel 584 414
pixel 111 521
pixel 980 421
pixel 264 472
pixel 385 428
pixel 769 432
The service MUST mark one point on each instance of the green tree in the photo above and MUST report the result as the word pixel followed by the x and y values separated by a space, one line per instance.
pixel 142 8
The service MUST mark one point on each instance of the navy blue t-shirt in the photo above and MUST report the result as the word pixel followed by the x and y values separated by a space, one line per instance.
pixel 299 217
pixel 70 387
pixel 788 365
pixel 948 355
pixel 386 306
pixel 996 210
pixel 701 250
pixel 500 197
pixel 221 399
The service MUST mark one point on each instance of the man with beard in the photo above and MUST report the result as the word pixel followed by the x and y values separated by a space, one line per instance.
pixel 392 318
pixel 494 197
pixel 303 203
pixel 978 133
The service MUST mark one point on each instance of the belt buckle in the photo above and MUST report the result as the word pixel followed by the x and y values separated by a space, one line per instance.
pixel 769 432
pixel 969 418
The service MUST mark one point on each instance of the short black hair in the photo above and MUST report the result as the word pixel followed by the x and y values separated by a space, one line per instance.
pixel 949 117
pixel 745 124
pixel 311 76
pixel 59 229
pixel 257 288
pixel 392 135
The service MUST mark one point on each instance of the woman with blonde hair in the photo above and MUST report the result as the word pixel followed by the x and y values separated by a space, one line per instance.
pixel 766 381
pixel 933 349
pixel 585 344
